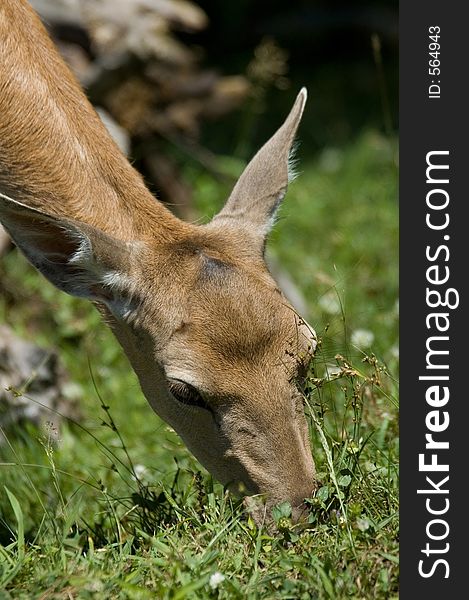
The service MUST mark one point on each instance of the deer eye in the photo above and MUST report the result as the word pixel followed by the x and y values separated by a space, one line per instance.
pixel 185 393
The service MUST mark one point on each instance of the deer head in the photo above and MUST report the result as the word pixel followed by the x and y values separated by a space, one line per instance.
pixel 217 348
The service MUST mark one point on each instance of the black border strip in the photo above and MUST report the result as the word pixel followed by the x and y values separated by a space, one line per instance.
pixel 433 123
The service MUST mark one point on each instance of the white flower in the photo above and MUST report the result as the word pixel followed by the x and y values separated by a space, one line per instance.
pixel 140 472
pixel 362 338
pixel 215 579
pixel 329 303
pixel 363 523
pixel 395 352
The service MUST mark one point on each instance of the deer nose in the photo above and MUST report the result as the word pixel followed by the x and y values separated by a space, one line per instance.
pixel 260 507
pixel 262 512
pixel 300 509
pixel 300 513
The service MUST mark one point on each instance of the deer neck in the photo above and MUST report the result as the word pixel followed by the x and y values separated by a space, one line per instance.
pixel 55 153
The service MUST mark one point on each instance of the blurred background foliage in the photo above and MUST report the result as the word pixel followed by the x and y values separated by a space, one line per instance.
pixel 325 45
pixel 166 69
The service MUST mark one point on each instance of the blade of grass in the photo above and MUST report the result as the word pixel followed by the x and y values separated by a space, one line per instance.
pixel 19 521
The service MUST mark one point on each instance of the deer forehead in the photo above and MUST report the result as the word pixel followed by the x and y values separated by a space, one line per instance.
pixel 200 271
pixel 233 338
pixel 228 318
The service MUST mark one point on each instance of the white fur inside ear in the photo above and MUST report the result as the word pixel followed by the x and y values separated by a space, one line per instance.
pixel 293 162
pixel 111 279
pixel 274 213
pixel 122 302
pixel 83 257
pixel 119 287
pixel 116 281
pixel 89 272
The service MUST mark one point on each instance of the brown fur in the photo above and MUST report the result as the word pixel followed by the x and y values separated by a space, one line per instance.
pixel 194 307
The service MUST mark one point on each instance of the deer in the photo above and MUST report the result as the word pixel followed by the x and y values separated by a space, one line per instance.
pixel 219 352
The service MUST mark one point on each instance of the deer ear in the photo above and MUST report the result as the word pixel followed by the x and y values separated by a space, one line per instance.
pixel 263 184
pixel 77 258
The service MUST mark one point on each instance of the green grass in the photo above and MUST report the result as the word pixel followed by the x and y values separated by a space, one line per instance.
pixel 75 521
